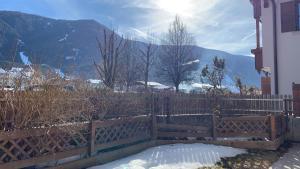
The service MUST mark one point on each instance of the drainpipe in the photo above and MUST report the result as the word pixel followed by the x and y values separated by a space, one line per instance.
pixel 275 46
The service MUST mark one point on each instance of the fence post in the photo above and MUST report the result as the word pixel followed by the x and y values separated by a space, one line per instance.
pixel 167 109
pixel 273 131
pixel 286 113
pixel 214 132
pixel 154 120
pixel 92 138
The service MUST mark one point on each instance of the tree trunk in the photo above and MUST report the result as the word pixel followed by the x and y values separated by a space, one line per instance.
pixel 146 77
pixel 177 88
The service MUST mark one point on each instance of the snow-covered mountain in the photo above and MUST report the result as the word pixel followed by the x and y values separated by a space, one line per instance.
pixel 69 46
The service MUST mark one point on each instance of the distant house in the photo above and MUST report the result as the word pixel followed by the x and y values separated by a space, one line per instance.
pixel 95 83
pixel 152 86
pixel 24 77
pixel 278 24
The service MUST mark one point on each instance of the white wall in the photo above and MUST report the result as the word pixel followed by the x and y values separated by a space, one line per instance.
pixel 288 51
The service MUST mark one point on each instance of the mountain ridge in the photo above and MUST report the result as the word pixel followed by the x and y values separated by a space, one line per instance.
pixel 71 44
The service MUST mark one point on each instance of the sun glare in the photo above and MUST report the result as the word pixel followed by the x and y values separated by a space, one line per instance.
pixel 180 7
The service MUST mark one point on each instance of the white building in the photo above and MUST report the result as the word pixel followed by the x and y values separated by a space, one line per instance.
pixel 278 24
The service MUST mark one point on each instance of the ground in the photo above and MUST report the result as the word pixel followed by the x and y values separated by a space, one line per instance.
pixel 291 160
pixel 177 156
pixel 191 156
pixel 262 159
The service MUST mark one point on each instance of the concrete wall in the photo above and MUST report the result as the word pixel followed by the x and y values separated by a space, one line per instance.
pixel 288 50
pixel 294 125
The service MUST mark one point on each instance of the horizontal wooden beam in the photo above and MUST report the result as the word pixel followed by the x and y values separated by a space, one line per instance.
pixel 182 127
pixel 244 134
pixel 17 134
pixel 183 134
pixel 106 157
pixel 264 145
pixel 121 142
pixel 43 159
pixel 112 122
pixel 243 118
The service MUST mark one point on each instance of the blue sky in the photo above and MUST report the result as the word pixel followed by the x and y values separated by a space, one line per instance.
pixel 225 25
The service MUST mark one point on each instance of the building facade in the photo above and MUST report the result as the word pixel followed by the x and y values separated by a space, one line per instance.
pixel 278 43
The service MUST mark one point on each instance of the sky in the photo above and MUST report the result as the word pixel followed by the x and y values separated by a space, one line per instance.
pixel 226 25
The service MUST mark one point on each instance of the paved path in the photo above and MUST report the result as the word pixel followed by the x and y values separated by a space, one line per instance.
pixel 291 160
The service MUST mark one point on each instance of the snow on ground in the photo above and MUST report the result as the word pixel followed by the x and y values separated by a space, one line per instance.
pixel 177 156
pixel 64 38
pixel 59 72
pixel 2 71
pixel 94 81
pixel 25 59
pixel 155 85
pixel 191 62
pixel 291 160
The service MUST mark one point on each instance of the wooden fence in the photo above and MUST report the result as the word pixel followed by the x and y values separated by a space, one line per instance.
pixel 166 119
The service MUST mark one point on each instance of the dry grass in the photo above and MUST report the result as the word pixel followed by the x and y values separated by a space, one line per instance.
pixel 53 102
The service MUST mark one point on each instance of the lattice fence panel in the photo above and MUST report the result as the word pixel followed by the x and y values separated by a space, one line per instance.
pixel 241 126
pixel 281 127
pixel 30 146
pixel 124 130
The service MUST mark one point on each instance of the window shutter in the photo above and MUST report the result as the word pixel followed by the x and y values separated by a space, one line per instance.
pixel 257 9
pixel 289 16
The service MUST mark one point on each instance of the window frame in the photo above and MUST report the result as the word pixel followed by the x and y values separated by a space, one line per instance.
pixel 290 16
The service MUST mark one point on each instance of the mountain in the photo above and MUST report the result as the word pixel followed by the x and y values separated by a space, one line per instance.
pixel 70 45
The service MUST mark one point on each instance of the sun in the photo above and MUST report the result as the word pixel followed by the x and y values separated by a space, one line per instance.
pixel 179 7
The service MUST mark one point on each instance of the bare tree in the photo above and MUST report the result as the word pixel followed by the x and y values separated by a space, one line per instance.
pixel 239 84
pixel 214 75
pixel 148 53
pixel 110 48
pixel 176 58
pixel 130 68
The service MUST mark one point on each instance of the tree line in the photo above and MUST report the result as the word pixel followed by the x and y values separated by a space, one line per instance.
pixel 124 61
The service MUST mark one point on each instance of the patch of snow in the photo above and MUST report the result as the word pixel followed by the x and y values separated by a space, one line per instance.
pixel 8 89
pixel 188 87
pixel 155 85
pixel 76 51
pixel 290 160
pixel 18 72
pixel 191 62
pixel 73 30
pixel 2 71
pixel 48 23
pixel 59 72
pixel 64 38
pixel 20 42
pixel 16 69
pixel 201 85
pixel 25 59
pixel 177 156
pixel 70 58
pixel 94 81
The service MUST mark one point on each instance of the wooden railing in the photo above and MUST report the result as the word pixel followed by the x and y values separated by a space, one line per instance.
pixel 36 146
pixel 177 118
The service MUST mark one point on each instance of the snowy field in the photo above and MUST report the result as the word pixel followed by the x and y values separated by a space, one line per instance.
pixel 177 156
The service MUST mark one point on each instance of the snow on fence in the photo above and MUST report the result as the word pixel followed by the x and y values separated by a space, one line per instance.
pixel 166 119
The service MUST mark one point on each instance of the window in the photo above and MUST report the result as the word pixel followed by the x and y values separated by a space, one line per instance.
pixel 290 16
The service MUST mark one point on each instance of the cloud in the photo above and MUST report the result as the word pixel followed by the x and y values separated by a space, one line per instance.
pixel 216 24
pixel 248 36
